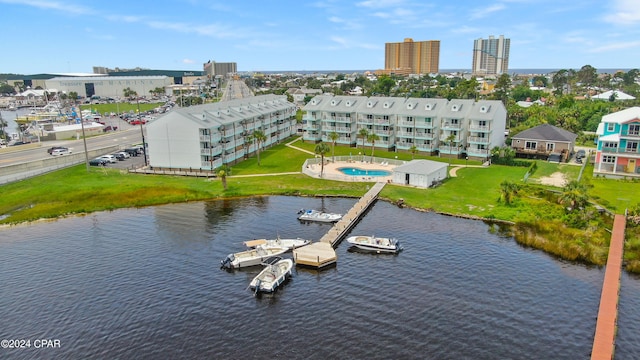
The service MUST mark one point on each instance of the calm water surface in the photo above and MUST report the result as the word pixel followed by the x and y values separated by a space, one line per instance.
pixel 146 284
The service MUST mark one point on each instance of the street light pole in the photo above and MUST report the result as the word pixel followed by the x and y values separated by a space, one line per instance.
pixel 84 138
pixel 144 145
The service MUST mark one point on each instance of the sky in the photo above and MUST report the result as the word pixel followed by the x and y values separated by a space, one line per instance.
pixel 72 36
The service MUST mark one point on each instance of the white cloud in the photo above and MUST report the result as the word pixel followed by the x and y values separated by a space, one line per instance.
pixel 377 4
pixel 482 12
pixel 52 5
pixel 188 61
pixel 626 12
pixel 616 46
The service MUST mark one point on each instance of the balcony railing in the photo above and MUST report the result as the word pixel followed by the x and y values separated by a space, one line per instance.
pixel 626 151
pixel 478 140
pixel 627 133
pixel 451 126
pixel 478 152
pixel 479 128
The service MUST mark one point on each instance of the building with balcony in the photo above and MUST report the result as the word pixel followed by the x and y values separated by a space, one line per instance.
pixel 451 128
pixel 409 57
pixel 491 56
pixel 211 135
pixel 617 153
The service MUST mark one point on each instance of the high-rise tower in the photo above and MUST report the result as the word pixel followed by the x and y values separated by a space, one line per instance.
pixel 409 57
pixel 491 56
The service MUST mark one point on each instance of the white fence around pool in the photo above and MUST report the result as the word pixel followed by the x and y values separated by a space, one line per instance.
pixel 313 168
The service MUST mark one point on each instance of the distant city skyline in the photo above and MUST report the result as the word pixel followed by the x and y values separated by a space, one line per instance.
pixel 73 36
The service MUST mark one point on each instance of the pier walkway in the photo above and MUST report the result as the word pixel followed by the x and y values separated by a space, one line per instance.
pixel 322 253
pixel 604 340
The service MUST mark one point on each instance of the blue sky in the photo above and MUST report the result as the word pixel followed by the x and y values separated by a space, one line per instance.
pixel 71 36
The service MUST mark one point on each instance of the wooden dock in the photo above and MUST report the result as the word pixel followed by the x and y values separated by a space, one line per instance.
pixel 605 336
pixel 322 253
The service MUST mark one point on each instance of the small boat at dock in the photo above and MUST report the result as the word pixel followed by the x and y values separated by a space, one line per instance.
pixel 318 216
pixel 251 257
pixel 276 271
pixel 290 244
pixel 375 244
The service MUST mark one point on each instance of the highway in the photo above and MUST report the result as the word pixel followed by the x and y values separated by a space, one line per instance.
pixel 31 152
pixel 236 89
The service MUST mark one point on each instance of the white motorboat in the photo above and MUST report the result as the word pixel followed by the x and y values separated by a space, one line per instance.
pixel 276 271
pixel 319 216
pixel 251 257
pixel 377 244
pixel 290 244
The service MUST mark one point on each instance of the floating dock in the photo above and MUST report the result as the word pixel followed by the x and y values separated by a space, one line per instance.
pixel 322 253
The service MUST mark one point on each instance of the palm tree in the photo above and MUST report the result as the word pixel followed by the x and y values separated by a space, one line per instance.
pixel 507 190
pixel 222 173
pixel 363 133
pixel 449 141
pixel 259 137
pixel 333 136
pixel 414 150
pixel 372 139
pixel 574 194
pixel 321 149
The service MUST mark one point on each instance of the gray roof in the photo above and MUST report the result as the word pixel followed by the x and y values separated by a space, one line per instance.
pixel 547 132
pixel 421 167
pixel 227 112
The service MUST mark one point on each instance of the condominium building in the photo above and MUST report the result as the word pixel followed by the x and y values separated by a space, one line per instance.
pixel 212 68
pixel 618 153
pixel 491 56
pixel 409 57
pixel 449 127
pixel 211 135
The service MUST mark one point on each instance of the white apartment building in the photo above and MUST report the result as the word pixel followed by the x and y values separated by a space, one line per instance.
pixel 211 135
pixel 452 128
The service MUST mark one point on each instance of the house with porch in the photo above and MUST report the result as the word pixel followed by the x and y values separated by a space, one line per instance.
pixel 542 141
pixel 618 138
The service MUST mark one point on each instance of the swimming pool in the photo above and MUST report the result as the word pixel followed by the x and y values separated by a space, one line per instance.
pixel 362 172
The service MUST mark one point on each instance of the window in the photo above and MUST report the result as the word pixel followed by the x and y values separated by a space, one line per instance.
pixel 550 146
pixel 611 127
pixel 632 146
pixel 610 145
pixel 608 159
pixel 482 123
pixel 370 117
pixel 634 129
pixel 333 115
pixel 204 132
pixel 530 145
pixel 348 115
pixel 409 119
pixel 427 120
pixel 385 117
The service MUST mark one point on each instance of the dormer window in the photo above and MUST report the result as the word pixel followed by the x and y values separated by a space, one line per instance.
pixel 455 108
pixel 484 109
pixel 427 107
pixel 348 103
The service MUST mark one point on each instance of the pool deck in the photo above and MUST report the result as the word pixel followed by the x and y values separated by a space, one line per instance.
pixel 331 170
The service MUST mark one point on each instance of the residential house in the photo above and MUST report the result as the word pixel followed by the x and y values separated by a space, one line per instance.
pixel 613 94
pixel 542 141
pixel 618 138
pixel 211 135
pixel 300 93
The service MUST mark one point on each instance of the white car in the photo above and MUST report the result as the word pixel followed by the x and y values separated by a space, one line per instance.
pixel 110 158
pixel 124 153
pixel 62 151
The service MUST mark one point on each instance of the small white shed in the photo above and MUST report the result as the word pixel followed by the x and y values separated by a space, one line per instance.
pixel 420 173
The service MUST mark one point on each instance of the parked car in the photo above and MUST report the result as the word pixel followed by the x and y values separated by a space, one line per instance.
pixel 124 153
pixel 98 162
pixel 109 158
pixel 132 152
pixel 580 154
pixel 119 156
pixel 63 151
